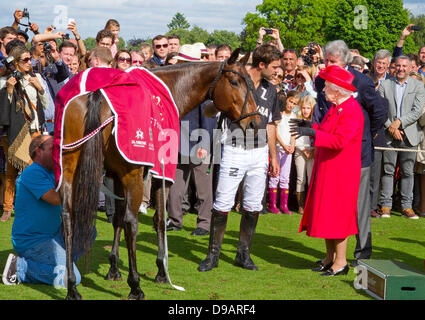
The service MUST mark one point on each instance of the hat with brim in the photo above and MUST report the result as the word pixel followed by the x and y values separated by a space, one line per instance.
pixel 338 76
pixel 189 53
pixel 202 47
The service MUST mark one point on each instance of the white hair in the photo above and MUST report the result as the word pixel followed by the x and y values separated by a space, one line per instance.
pixel 344 92
pixel 340 49
pixel 383 54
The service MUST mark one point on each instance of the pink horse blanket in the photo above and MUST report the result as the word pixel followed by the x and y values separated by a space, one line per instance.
pixel 146 118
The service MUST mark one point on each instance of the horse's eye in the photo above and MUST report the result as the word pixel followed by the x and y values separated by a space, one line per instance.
pixel 234 83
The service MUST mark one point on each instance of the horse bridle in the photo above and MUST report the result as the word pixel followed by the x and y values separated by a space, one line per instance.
pixel 249 85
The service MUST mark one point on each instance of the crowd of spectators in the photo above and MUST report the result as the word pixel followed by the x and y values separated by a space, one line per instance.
pixel 390 90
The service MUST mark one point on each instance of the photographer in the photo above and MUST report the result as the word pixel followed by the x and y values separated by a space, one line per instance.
pixel 7 34
pixel 23 99
pixel 274 33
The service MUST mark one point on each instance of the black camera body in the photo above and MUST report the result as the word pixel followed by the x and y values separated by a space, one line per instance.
pixel 18 75
pixel 66 36
pixel 268 31
pixel 47 47
pixel 25 13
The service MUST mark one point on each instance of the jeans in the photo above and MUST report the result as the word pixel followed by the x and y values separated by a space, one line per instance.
pixel 46 263
pixel 407 164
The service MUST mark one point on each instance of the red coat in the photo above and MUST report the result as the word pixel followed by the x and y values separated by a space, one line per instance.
pixel 331 206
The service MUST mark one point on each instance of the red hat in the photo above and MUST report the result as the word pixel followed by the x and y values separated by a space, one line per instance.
pixel 339 77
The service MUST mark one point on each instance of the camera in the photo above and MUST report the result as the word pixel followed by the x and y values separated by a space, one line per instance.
pixel 18 75
pixel 268 31
pixel 415 28
pixel 66 36
pixel 25 13
pixel 11 67
pixel 47 47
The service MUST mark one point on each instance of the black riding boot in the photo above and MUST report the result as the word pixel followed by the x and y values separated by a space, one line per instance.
pixel 247 229
pixel 217 229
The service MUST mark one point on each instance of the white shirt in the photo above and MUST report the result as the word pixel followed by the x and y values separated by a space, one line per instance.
pixel 32 95
pixel 283 129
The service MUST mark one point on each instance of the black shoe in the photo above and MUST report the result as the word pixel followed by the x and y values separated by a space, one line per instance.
pixel 171 227
pixel 354 263
pixel 320 261
pixel 323 267
pixel 10 277
pixel 199 232
pixel 332 273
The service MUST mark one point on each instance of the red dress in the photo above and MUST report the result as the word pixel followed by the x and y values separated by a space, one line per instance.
pixel 331 206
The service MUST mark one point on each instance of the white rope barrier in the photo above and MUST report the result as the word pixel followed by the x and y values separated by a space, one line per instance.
pixel 399 149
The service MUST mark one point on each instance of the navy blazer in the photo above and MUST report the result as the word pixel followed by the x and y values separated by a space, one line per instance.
pixel 374 111
pixel 192 121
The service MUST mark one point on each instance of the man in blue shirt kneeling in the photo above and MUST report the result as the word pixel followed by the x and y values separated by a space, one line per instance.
pixel 37 229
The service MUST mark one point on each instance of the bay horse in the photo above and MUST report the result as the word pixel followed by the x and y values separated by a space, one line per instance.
pixel 229 86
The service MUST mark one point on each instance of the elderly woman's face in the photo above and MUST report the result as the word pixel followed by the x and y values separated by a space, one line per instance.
pixel 331 94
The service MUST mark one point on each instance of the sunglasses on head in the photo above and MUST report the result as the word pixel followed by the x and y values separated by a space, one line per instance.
pixel 158 46
pixel 121 59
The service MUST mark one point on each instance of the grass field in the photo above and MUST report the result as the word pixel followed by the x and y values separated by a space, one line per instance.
pixel 284 258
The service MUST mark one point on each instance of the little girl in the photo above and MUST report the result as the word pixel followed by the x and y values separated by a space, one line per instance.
pixel 304 153
pixel 113 26
pixel 285 149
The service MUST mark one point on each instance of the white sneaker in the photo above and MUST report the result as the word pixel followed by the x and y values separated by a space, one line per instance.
pixel 10 277
pixel 143 209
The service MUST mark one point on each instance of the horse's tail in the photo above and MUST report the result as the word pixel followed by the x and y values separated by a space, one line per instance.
pixel 88 177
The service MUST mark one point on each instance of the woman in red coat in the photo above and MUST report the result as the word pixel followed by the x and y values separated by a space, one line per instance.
pixel 331 206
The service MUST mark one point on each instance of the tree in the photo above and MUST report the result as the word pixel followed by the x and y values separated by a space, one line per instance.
pixel 223 36
pixel 298 21
pixel 369 25
pixel 419 36
pixel 178 22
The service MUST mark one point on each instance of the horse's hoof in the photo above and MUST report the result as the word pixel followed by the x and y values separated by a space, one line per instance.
pixel 114 276
pixel 138 295
pixel 161 279
pixel 73 296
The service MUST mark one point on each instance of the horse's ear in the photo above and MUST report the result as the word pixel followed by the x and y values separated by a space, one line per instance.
pixel 245 58
pixel 234 57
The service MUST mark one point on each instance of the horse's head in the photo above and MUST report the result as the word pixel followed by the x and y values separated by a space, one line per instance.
pixel 233 93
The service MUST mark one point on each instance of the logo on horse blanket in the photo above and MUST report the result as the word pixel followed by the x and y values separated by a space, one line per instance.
pixel 146 124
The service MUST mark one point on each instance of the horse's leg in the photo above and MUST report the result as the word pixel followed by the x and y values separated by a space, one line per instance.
pixel 118 220
pixel 160 227
pixel 133 188
pixel 66 192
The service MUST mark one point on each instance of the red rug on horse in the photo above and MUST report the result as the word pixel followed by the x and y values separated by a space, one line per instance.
pixel 146 119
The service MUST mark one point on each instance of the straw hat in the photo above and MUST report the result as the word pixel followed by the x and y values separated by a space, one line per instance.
pixel 189 53
pixel 202 47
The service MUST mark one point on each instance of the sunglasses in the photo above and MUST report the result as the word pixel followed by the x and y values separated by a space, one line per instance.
pixel 25 60
pixel 158 46
pixel 121 59
pixel 137 61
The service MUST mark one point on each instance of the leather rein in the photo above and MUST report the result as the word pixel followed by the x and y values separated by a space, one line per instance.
pixel 249 85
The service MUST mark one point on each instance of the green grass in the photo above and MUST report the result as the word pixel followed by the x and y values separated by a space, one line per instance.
pixel 283 255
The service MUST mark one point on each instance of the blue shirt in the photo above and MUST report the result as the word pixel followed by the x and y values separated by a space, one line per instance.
pixel 35 220
pixel 400 88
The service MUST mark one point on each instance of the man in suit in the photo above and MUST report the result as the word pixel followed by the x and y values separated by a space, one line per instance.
pixel 381 64
pixel 375 114
pixel 406 98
